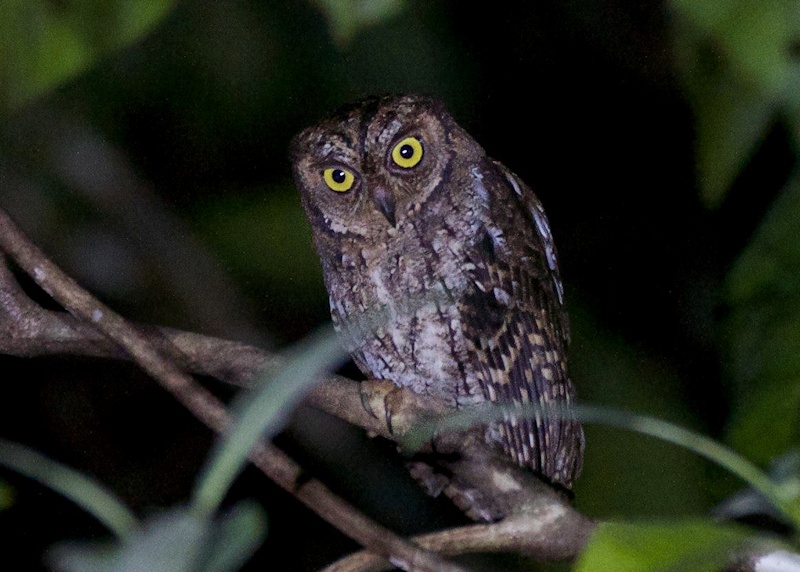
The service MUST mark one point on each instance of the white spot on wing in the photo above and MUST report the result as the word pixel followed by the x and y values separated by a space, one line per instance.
pixel 502 296
pixel 514 185
pixel 547 238
pixel 543 228
pixel 498 239
pixel 480 188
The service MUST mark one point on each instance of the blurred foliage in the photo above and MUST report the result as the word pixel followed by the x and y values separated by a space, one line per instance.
pixel 45 43
pixel 172 541
pixel 346 17
pixel 784 471
pixel 738 62
pixel 272 225
pixel 201 104
pixel 739 65
pixel 79 488
pixel 689 546
pixel 763 334
pixel 191 538
pixel 178 540
pixel 619 477
pixel 263 412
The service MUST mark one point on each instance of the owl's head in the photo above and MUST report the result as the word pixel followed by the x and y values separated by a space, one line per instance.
pixel 372 165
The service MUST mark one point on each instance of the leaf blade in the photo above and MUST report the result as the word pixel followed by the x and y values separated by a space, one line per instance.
pixel 80 489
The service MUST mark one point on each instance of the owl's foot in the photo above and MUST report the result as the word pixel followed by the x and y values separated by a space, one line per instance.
pixel 397 407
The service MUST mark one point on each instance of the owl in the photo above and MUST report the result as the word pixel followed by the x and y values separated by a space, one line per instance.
pixel 441 270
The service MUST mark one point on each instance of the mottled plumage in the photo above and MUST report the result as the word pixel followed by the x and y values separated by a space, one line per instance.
pixel 441 269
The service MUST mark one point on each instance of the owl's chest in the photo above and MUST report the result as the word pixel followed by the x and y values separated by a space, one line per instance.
pixel 397 305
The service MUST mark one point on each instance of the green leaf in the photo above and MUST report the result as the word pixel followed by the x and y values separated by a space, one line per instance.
pixel 46 43
pixel 785 472
pixel 762 334
pixel 262 412
pixel 173 541
pixel 750 38
pixel 236 538
pixel 690 546
pixel 83 491
pixel 347 17
pixel 734 58
pixel 169 542
pixel 731 122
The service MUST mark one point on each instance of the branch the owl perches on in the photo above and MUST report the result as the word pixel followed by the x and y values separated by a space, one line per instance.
pixel 29 330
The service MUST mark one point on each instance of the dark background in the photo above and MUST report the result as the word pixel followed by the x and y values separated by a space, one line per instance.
pixel 160 179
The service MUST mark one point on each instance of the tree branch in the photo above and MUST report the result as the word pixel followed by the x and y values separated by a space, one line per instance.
pixel 542 522
pixel 205 406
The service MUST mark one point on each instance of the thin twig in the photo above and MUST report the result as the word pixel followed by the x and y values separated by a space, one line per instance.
pixel 206 407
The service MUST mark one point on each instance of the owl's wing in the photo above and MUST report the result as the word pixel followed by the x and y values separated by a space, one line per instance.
pixel 516 324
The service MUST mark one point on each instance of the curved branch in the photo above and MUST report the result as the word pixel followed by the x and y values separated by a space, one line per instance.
pixel 206 407
pixel 543 524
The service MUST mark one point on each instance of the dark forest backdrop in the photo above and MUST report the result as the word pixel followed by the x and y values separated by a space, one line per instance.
pixel 143 146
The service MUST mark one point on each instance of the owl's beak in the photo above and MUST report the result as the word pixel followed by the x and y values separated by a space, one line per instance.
pixel 384 199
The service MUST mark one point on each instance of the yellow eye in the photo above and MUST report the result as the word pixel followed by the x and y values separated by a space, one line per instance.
pixel 339 180
pixel 407 153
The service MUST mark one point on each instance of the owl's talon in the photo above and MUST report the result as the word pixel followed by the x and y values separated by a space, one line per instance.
pixel 366 400
pixel 388 412
pixel 396 406
pixel 374 398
